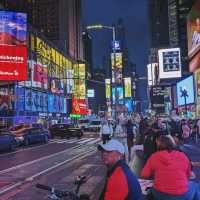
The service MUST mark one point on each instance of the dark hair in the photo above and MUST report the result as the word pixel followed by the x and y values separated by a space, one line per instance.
pixel 166 143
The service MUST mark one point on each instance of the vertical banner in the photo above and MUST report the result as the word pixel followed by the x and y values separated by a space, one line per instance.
pixel 108 88
pixel 127 87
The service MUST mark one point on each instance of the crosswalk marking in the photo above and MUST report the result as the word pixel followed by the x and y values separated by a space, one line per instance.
pixel 75 140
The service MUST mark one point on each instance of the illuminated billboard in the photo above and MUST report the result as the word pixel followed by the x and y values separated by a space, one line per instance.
pixel 108 93
pixel 118 60
pixel 185 88
pixel 151 73
pixel 13 28
pixel 127 87
pixel 90 93
pixel 193 35
pixel 117 95
pixel 169 63
pixel 13 62
pixel 79 106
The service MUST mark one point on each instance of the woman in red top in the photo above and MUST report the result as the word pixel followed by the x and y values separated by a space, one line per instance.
pixel 170 170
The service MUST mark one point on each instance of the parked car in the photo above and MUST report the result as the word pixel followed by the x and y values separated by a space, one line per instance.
pixel 7 141
pixel 94 125
pixel 65 131
pixel 32 135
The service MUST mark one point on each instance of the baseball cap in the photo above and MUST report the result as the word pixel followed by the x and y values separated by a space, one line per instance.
pixel 112 145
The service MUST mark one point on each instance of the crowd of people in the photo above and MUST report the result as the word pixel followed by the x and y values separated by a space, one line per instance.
pixel 165 162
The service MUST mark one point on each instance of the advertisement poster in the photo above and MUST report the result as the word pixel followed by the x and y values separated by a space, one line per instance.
pixel 19 103
pixel 79 106
pixel 35 101
pixel 79 89
pixel 81 71
pixel 108 88
pixel 70 81
pixel 193 35
pixel 13 62
pixel 117 95
pixel 127 87
pixel 151 73
pixel 117 76
pixel 169 63
pixel 129 105
pixel 13 28
pixel 117 63
pixel 157 94
pixel 185 91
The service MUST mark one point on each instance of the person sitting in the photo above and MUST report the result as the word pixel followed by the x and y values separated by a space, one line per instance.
pixel 170 170
pixel 121 183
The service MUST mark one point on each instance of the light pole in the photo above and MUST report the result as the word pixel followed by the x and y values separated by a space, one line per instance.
pixel 100 26
pixel 184 94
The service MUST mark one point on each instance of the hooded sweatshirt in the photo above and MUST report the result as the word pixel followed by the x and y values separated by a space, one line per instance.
pixel 169 170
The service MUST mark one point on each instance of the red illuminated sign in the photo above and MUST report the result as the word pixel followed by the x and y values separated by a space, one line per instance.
pixel 13 62
pixel 79 106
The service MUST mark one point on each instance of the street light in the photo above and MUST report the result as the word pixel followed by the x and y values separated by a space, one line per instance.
pixel 100 26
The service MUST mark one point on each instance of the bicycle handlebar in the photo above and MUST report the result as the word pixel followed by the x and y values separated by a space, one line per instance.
pixel 59 193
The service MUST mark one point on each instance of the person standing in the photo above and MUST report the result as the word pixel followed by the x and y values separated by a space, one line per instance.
pixel 121 183
pixel 106 132
pixel 130 137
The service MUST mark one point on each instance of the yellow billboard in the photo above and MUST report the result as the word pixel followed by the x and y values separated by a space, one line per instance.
pixel 108 88
pixel 81 71
pixel 127 86
pixel 116 60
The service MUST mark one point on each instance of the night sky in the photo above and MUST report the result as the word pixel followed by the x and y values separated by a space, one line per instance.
pixel 135 16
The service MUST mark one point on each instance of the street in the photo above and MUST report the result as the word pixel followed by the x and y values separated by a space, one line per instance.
pixel 55 164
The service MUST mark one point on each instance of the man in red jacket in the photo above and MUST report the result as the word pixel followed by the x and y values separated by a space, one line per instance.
pixel 121 183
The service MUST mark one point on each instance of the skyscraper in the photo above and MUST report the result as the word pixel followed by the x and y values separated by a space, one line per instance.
pixel 59 21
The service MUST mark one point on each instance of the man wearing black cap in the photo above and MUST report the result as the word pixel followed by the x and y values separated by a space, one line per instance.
pixel 121 183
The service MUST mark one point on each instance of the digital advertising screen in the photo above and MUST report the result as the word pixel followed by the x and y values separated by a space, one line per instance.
pixel 117 94
pixel 19 103
pixel 151 70
pixel 193 35
pixel 90 93
pixel 116 60
pixel 127 87
pixel 108 88
pixel 169 63
pixel 129 105
pixel 185 89
pixel 13 28
pixel 79 106
pixel 13 62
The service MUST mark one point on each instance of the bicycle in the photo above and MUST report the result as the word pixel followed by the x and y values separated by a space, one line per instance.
pixel 65 194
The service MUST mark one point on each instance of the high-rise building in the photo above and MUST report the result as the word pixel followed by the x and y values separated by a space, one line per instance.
pixel 158 15
pixel 87 52
pixel 177 15
pixel 59 21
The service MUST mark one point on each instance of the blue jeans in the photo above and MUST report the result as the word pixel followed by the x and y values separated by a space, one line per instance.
pixel 192 194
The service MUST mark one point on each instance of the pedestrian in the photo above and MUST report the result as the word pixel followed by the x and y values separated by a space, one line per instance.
pixel 185 130
pixel 119 130
pixel 130 137
pixel 106 131
pixel 171 170
pixel 121 183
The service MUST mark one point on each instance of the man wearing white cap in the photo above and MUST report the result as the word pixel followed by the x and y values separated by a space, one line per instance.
pixel 121 183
